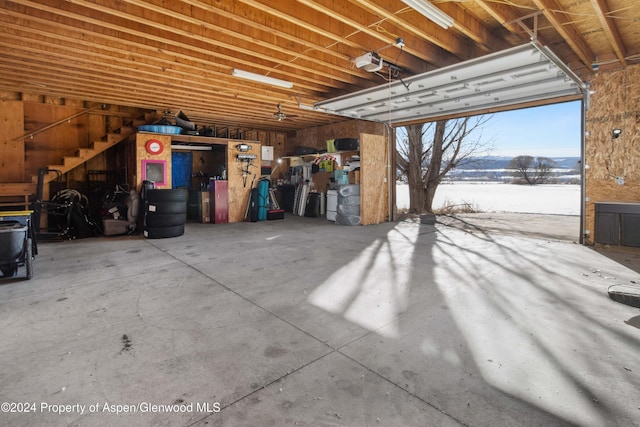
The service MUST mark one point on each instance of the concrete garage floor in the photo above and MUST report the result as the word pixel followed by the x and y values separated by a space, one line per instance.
pixel 301 322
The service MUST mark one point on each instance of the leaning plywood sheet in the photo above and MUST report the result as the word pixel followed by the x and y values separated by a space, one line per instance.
pixel 374 183
pixel 241 174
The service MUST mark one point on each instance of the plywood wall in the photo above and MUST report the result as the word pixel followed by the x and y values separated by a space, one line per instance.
pixel 277 140
pixel 614 103
pixel 50 146
pixel 142 154
pixel 317 137
pixel 11 145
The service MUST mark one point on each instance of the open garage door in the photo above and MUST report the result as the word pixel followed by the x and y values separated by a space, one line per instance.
pixel 526 75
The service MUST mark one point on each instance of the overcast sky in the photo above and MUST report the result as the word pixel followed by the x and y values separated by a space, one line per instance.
pixel 550 131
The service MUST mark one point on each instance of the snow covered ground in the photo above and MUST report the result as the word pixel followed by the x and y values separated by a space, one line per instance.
pixel 499 197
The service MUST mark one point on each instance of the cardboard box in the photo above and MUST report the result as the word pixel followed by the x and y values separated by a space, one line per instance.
pixel 205 207
pixel 354 177
pixel 114 227
pixel 321 181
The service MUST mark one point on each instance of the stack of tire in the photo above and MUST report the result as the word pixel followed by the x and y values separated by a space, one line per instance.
pixel 165 212
pixel 348 209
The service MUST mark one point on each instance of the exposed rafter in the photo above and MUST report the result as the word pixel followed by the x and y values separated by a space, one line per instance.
pixel 175 55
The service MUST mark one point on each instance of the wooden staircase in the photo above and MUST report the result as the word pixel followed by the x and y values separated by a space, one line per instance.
pixel 17 194
pixel 84 154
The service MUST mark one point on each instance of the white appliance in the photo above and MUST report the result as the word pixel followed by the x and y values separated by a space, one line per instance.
pixel 332 204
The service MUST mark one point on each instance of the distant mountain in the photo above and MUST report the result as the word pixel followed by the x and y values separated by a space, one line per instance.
pixel 501 162
pixel 494 168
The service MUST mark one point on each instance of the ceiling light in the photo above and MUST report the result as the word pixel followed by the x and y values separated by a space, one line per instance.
pixel 261 78
pixel 191 147
pixel 430 11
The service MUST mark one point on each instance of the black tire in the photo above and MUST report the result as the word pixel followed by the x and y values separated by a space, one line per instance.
pixel 165 220
pixel 163 232
pixel 167 195
pixel 29 254
pixel 166 208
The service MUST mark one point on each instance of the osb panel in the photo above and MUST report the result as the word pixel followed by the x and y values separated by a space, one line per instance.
pixel 141 154
pixel 10 95
pixel 97 126
pixel 74 103
pixel 32 97
pixel 614 103
pixel 239 181
pixel 50 146
pixel 373 183
pixel 317 137
pixel 277 140
pixel 53 100
pixel 11 127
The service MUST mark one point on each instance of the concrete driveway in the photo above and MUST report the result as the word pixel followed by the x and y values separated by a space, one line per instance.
pixel 299 322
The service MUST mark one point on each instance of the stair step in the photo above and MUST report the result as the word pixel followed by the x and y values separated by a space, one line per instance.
pixel 99 146
pixel 96 147
pixel 112 138
pixel 123 134
pixel 71 162
pixel 85 153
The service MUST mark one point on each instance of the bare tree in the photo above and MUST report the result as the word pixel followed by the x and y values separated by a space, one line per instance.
pixel 533 170
pixel 427 152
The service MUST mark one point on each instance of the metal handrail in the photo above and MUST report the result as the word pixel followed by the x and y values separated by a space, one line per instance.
pixel 66 119
pixel 51 125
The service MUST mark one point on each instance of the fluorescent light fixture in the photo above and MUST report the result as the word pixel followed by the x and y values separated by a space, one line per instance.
pixel 261 78
pixel 430 11
pixel 191 147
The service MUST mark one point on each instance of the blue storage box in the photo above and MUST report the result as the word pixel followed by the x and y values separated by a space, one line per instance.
pixel 341 176
pixel 160 129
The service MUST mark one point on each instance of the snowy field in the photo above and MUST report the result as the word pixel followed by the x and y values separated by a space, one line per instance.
pixel 499 197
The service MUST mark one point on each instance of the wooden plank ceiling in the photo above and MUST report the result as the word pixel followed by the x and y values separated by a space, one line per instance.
pixel 172 55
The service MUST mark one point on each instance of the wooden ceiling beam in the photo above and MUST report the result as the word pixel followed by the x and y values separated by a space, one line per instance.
pixel 414 38
pixel 226 10
pixel 507 17
pixel 349 33
pixel 240 39
pixel 468 25
pixel 121 26
pixel 351 15
pixel 411 28
pixel 121 64
pixel 610 29
pixel 262 122
pixel 99 50
pixel 567 30
pixel 86 88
